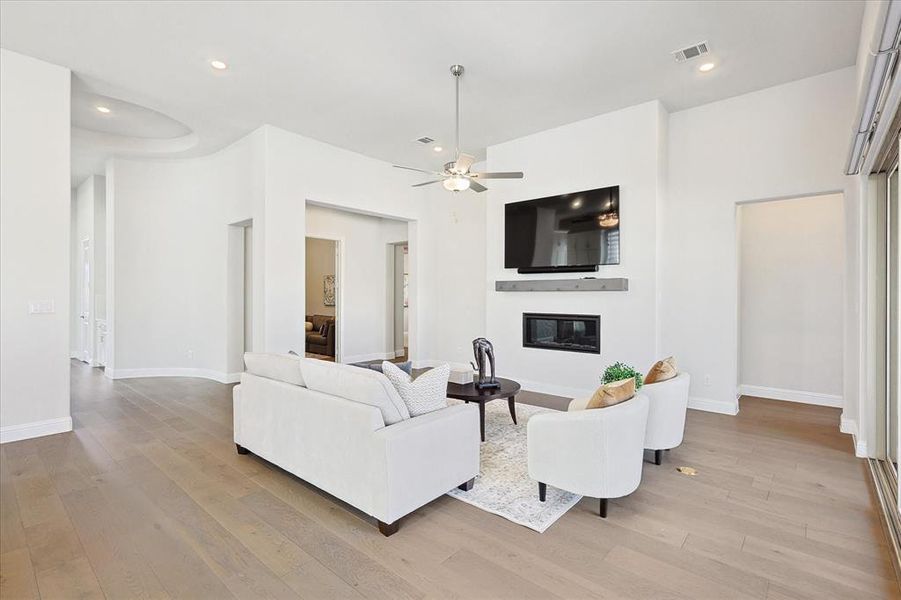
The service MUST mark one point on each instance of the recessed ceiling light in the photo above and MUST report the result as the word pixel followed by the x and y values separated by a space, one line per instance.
pixel 103 109
pixel 437 148
pixel 706 67
pixel 218 64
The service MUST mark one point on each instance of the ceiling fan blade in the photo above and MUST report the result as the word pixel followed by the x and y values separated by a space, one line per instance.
pixel 418 170
pixel 476 186
pixel 464 161
pixel 427 183
pixel 505 175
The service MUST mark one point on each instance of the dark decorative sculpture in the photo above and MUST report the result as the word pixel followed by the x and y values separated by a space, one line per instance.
pixel 482 350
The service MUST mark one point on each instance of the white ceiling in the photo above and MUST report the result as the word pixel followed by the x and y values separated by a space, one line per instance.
pixel 373 76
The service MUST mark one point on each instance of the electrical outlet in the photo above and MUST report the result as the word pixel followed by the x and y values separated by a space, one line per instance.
pixel 707 380
pixel 190 354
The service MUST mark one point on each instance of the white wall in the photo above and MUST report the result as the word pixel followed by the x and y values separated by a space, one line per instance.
pixel 365 332
pixel 35 202
pixel 792 262
pixel 785 141
pixel 320 261
pixel 623 148
pixel 168 238
pixel 167 234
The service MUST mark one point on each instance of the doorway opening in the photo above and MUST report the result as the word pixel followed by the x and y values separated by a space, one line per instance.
pixel 791 299
pixel 239 300
pixel 86 311
pixel 322 298
pixel 399 299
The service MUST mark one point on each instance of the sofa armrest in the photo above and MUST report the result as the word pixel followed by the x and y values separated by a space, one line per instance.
pixel 423 458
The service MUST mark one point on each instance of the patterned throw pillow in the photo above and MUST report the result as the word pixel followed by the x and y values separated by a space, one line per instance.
pixel 422 395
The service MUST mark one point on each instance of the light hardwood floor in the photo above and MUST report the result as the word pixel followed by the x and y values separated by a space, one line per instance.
pixel 148 499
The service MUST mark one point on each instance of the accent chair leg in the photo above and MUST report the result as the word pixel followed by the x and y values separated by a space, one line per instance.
pixel 241 449
pixel 658 457
pixel 542 491
pixel 385 529
pixel 467 485
pixel 603 508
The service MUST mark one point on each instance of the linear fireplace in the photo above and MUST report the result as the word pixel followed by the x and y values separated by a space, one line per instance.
pixel 573 333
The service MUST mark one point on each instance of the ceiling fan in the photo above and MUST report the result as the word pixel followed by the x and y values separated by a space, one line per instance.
pixel 456 176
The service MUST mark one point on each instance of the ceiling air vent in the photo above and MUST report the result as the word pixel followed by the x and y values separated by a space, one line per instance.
pixel 425 140
pixel 690 52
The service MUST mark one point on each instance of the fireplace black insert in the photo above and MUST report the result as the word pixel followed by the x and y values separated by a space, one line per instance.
pixel 572 333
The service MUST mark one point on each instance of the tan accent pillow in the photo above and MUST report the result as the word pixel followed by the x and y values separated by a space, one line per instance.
pixel 612 393
pixel 661 371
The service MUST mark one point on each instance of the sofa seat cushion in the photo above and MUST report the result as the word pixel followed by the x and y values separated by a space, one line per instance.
pixel 315 338
pixel 359 385
pixel 281 367
pixel 662 370
pixel 425 394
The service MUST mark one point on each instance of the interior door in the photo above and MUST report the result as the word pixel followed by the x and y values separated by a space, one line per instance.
pixel 85 309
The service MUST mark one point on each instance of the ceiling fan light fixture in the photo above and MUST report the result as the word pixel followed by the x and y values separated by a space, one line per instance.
pixel 457 183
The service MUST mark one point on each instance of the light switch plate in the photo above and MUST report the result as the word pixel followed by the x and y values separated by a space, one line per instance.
pixel 42 308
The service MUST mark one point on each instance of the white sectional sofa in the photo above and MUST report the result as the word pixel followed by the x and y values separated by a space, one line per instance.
pixel 345 430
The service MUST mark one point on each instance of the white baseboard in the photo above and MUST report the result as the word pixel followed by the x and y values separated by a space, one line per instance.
pixel 74 354
pixel 723 407
pixel 848 425
pixel 26 431
pixel 860 449
pixel 770 393
pixel 174 372
pixel 367 357
pixel 398 352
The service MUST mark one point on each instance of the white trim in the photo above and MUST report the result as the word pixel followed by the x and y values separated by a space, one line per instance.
pixel 803 397
pixel 398 352
pixel 367 357
pixel 75 354
pixel 26 431
pixel 723 407
pixel 848 425
pixel 860 449
pixel 174 372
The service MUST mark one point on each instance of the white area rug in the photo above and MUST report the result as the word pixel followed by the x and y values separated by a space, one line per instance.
pixel 504 486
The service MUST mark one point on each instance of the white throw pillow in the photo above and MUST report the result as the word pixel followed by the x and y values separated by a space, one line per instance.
pixel 422 395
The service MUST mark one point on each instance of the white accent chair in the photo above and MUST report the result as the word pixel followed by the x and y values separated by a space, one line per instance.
pixel 596 452
pixel 668 403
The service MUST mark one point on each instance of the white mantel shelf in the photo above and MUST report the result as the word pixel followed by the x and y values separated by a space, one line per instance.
pixel 611 284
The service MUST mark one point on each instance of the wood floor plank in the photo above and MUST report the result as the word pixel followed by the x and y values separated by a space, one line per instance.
pixel 147 498
pixel 354 567
pixel 17 581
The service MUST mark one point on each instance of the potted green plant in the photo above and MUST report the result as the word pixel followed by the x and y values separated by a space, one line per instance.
pixel 619 371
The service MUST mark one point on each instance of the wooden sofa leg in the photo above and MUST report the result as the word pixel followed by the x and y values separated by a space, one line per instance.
pixel 385 529
pixel 467 485
pixel 241 449
pixel 603 508
pixel 542 491
pixel 658 457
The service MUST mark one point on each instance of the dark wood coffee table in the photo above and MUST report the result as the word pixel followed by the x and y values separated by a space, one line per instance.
pixel 470 393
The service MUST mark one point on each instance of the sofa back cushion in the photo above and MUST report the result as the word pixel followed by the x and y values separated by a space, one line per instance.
pixel 281 367
pixel 319 320
pixel 352 383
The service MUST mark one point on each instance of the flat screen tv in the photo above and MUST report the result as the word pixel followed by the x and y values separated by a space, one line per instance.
pixel 570 232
